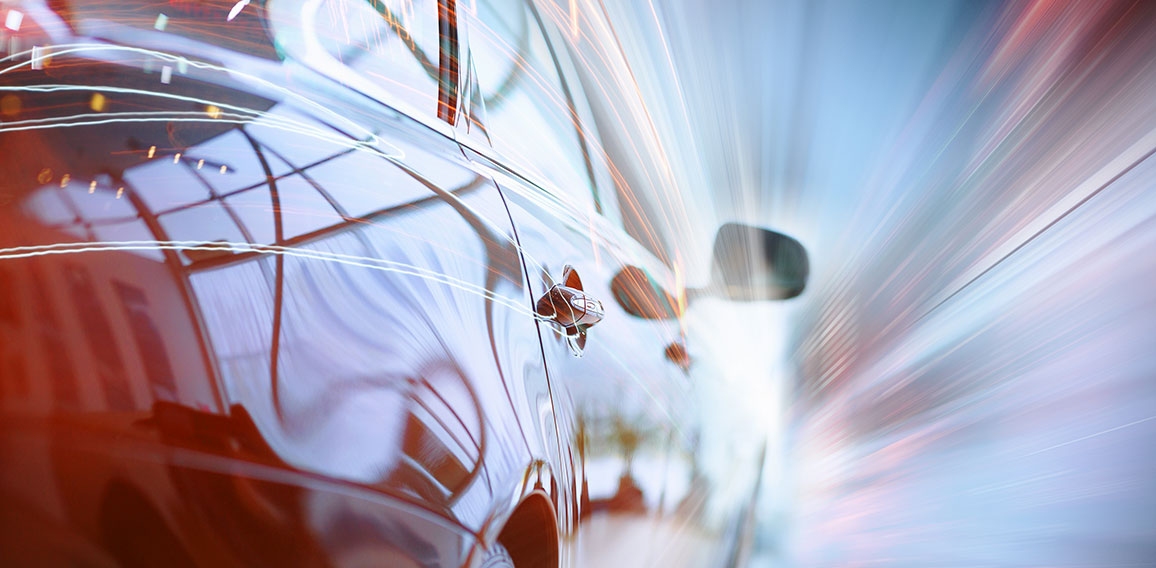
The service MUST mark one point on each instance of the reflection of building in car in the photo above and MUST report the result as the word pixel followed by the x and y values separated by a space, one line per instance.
pixel 271 298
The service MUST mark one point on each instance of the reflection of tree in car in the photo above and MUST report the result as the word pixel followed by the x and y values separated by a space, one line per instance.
pixel 622 437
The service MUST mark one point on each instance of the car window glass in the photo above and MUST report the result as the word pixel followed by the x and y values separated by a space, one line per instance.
pixel 392 43
pixel 529 117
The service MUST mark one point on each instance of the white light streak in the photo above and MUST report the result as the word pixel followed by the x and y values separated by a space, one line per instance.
pixel 236 10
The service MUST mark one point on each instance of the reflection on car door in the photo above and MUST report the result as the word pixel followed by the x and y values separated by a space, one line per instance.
pixel 618 405
pixel 362 312
pixel 386 330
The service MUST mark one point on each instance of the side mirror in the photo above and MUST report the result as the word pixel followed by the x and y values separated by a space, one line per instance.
pixel 750 264
pixel 753 264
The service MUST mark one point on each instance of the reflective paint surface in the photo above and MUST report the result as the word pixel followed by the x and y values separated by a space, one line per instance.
pixel 278 325
pixel 260 307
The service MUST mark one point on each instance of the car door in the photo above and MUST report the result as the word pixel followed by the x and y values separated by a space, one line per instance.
pixel 619 395
pixel 341 300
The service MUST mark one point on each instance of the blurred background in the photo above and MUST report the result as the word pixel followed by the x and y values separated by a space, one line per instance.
pixel 970 379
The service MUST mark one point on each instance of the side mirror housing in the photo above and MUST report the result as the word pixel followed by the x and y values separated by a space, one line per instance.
pixel 752 263
pixel 749 264
pixel 642 297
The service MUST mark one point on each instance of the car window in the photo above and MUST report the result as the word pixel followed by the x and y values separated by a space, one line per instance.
pixel 400 52
pixel 529 113
pixel 395 45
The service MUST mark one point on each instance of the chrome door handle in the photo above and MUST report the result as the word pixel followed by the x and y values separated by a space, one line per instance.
pixel 572 309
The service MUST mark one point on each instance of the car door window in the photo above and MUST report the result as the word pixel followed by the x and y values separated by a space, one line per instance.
pixel 529 113
pixel 400 46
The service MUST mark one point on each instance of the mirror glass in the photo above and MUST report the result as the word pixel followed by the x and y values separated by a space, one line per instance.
pixel 751 263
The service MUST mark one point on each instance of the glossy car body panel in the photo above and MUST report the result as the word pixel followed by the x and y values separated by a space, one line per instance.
pixel 299 294
pixel 256 311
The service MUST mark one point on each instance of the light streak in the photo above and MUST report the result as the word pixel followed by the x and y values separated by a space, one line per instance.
pixel 371 263
pixel 79 120
pixel 236 10
pixel 574 19
pixel 241 116
pixel 1090 436
pixel 38 58
pixel 372 140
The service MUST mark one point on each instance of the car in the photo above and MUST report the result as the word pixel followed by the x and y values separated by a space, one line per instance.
pixel 344 282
